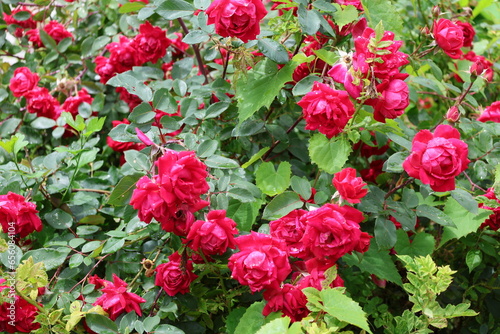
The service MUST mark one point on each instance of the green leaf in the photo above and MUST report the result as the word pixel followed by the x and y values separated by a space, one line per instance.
pixel 216 109
pixel 101 324
pixel 473 259
pixel 385 11
pixel 304 86
pixel 385 233
pixel 173 9
pixel 43 123
pixel 276 326
pixel 281 205
pixel 123 190
pixel 328 57
pixel 112 245
pixel 244 214
pixel 252 320
pixel 94 124
pixel 465 199
pixel 329 154
pixel 51 258
pixel 47 41
pixel 262 84
pixel 131 7
pixel 64 44
pixel 395 162
pixel 344 16
pixel 151 322
pixel 342 307
pixel 270 181
pixel 309 20
pixel 255 157
pixel 217 161
pixel 273 50
pixel 22 15
pixel 242 195
pixel 233 319
pixel 301 186
pixel 207 148
pixel 138 160
pixel 421 245
pixel 59 219
pixel 195 37
pixel 141 114
pixel 435 215
pixel 168 329
pixel 164 101
pixel 132 85
pixel 465 221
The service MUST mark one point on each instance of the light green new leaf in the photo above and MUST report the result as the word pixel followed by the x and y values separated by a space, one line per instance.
pixel 329 154
pixel 272 182
pixel 344 16
pixel 383 10
pixel 277 326
pixel 252 320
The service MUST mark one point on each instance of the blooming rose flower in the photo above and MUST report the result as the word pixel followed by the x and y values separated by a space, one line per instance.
pixel 116 300
pixel 291 228
pixel 104 69
pixel 326 110
pixel 175 276
pixel 468 32
pixel 493 220
pixel 393 101
pixel 123 55
pixel 57 31
pixel 15 209
pixel 449 37
pixel 23 81
pixel 41 103
pixel 151 42
pixel 314 274
pixel 72 103
pixel 236 18
pixel 350 187
pixel 288 299
pixel 261 263
pixel 24 315
pixel 437 158
pixel 213 236
pixel 332 231
pixel 491 113
pixel 34 37
pixel 26 24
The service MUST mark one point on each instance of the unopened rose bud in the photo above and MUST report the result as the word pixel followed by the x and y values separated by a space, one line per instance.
pixel 425 31
pixel 436 11
pixel 453 114
pixel 477 68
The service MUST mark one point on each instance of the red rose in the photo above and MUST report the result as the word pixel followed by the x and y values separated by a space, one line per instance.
pixel 34 37
pixel 131 99
pixel 123 55
pixel 393 101
pixel 175 276
pixel 437 158
pixel 41 103
pixel 104 69
pixel 480 66
pixel 261 263
pixel 72 103
pixel 151 42
pixel 449 37
pixel 468 32
pixel 23 81
pixel 236 18
pixel 491 113
pixel 26 24
pixel 290 228
pixel 116 300
pixel 355 3
pixel 493 220
pixel 57 31
pixel 213 236
pixel 326 110
pixel 332 231
pixel 313 275
pixel 339 73
pixel 18 316
pixel 15 209
pixel 289 299
pixel 350 187
pixel 375 169
pixel 146 198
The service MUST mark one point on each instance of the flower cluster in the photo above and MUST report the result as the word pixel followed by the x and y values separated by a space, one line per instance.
pixel 349 187
pixel 493 220
pixel 17 213
pixel 173 194
pixel 22 319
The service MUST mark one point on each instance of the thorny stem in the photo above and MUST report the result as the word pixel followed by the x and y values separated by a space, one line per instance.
pixel 196 51
pixel 276 143
pixel 402 185
pixel 472 183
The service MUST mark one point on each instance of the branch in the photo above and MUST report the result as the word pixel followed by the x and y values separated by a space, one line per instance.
pixel 196 51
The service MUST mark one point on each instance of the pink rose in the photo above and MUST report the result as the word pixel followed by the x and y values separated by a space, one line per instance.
pixel 23 81
pixel 332 231
pixel 24 315
pixel 213 236
pixel 57 31
pixel 41 103
pixel 437 158
pixel 175 276
pixel 491 113
pixel 453 114
pixel 236 18
pixel 355 3
pixel 261 263
pixel 449 37
pixel 288 299
pixel 350 187
pixel 151 42
pixel 15 209
pixel 116 300
pixel 468 32
pixel 393 101
pixel 291 228
pixel 326 110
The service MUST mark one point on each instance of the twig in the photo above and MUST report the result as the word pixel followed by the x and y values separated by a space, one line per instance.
pixel 276 143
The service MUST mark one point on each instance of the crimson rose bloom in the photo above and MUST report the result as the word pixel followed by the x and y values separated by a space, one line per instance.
pixel 313 275
pixel 468 31
pixel 236 18
pixel 23 313
pixel 123 55
pixel 117 300
pixel 350 187
pixel 72 103
pixel 213 236
pixel 174 276
pixel 393 102
pixel 104 68
pixel 15 209
pixel 493 220
pixel 261 263
pixel 491 113
pixel 151 43
pixel 289 299
pixel 332 231
pixel 41 103
pixel 291 228
pixel 57 31
pixel 23 81
pixel 438 157
pixel 326 110
pixel 449 37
